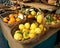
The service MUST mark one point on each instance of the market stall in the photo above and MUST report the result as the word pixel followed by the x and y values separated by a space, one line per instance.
pixel 31 25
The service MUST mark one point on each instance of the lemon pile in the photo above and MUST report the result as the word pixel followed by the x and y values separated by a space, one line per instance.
pixel 28 31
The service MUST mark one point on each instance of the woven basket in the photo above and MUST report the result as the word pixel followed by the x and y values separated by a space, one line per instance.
pixel 57 25
pixel 29 41
pixel 33 40
pixel 6 14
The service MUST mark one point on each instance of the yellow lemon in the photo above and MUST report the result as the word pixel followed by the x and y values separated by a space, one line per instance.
pixel 21 26
pixel 32 31
pixel 32 35
pixel 39 18
pixel 26 35
pixel 37 30
pixel 27 25
pixel 17 36
pixel 33 13
pixel 33 26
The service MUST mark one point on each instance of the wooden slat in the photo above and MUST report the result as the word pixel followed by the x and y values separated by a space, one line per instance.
pixel 42 6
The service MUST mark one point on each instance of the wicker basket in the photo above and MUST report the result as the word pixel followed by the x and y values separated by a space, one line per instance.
pixel 6 14
pixel 57 25
pixel 33 40
pixel 29 41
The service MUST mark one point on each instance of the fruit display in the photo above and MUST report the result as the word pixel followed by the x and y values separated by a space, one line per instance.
pixel 31 27
pixel 24 14
pixel 52 19
pixel 33 23
pixel 11 19
pixel 28 31
pixel 33 13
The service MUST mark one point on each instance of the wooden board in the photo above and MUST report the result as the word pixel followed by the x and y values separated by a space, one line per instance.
pixel 42 6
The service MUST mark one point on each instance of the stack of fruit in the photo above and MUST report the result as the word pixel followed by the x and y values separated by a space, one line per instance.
pixel 12 18
pixel 33 13
pixel 24 14
pixel 28 31
pixel 52 19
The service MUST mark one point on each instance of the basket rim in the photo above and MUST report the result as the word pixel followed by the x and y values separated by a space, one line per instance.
pixel 57 25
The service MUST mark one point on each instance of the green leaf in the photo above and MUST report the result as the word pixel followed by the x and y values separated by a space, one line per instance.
pixel 19 32
pixel 49 18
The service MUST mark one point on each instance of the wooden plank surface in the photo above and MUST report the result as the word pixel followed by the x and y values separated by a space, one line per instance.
pixel 42 6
